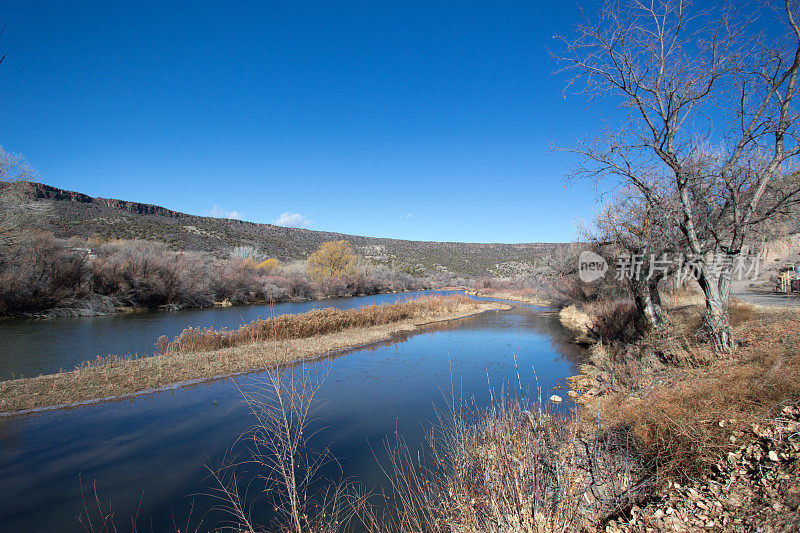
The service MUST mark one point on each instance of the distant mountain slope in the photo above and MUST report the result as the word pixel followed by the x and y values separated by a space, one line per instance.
pixel 70 213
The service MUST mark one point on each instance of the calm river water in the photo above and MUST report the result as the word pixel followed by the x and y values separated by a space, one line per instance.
pixel 151 452
pixel 29 347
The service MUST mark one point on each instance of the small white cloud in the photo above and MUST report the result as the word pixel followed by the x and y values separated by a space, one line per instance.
pixel 407 215
pixel 292 220
pixel 218 212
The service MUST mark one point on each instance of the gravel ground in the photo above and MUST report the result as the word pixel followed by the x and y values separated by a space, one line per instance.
pixel 755 488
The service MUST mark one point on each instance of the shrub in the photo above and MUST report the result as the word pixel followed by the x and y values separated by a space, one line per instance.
pixel 40 273
pixel 146 274
pixel 268 265
pixel 614 320
pixel 608 321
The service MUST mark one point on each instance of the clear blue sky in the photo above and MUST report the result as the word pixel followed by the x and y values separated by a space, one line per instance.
pixel 418 120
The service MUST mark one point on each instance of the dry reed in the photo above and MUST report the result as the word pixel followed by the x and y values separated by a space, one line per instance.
pixel 309 324
pixel 114 377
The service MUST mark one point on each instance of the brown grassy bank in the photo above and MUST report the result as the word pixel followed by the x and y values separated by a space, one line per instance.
pixel 198 355
pixel 527 296
pixel 684 402
pixel 694 418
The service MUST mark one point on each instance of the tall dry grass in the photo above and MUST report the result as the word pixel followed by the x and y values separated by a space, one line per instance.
pixel 510 467
pixel 683 402
pixel 315 322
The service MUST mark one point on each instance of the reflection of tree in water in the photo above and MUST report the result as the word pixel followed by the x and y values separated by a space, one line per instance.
pixel 523 317
pixel 560 338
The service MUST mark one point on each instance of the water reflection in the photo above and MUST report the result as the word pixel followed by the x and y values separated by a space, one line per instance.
pixel 29 347
pixel 154 447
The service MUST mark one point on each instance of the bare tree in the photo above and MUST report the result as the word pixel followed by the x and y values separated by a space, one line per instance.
pixel 16 220
pixel 710 121
pixel 14 167
pixel 630 229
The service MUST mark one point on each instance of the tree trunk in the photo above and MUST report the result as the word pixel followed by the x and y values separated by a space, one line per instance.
pixel 655 300
pixel 716 286
pixel 648 301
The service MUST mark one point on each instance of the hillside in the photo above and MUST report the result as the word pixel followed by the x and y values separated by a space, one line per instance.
pixel 72 214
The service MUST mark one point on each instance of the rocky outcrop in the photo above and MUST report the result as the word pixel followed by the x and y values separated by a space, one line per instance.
pixel 41 191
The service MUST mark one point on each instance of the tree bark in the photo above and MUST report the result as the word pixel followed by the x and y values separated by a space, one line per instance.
pixel 717 289
pixel 648 301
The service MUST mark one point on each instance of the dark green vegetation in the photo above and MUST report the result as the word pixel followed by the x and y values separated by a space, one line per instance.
pixel 72 214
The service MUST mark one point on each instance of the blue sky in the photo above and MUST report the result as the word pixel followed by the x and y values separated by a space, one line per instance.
pixel 417 120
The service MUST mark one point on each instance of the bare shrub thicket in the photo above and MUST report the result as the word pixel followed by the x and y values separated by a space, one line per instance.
pixel 40 273
pixel 614 320
pixel 290 281
pixel 511 467
pixel 147 274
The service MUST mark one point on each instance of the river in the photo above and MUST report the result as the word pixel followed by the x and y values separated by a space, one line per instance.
pixel 150 453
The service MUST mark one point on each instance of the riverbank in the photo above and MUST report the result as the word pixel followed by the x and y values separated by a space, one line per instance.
pixel 522 296
pixel 714 438
pixel 106 306
pixel 41 275
pixel 116 377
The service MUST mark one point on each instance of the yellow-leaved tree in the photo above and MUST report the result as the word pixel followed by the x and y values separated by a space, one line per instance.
pixel 333 259
pixel 268 265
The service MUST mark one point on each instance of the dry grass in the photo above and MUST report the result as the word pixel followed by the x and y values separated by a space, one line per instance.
pixel 575 319
pixel 687 313
pixel 529 296
pixel 309 324
pixel 115 377
pixel 602 320
pixel 685 405
pixel 511 467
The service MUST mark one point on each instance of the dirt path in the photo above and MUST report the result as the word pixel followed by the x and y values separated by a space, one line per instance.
pixel 768 299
